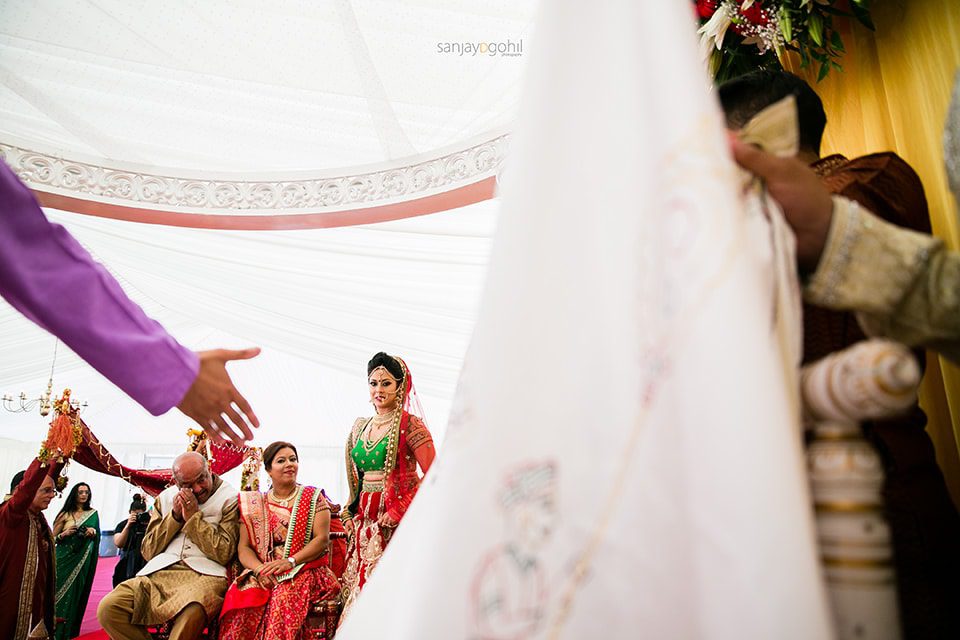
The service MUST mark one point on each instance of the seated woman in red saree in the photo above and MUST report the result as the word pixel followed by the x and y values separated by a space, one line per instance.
pixel 382 457
pixel 284 536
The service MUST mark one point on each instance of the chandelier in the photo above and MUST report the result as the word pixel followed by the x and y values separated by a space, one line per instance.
pixel 25 405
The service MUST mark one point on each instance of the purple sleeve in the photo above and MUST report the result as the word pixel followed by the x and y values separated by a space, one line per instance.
pixel 46 275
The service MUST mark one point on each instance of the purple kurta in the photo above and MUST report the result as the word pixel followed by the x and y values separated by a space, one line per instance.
pixel 46 275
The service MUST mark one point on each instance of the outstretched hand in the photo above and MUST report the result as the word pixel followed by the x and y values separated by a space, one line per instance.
pixel 806 203
pixel 212 399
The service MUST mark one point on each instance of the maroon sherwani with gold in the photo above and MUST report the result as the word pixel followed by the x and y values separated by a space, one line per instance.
pixel 26 562
pixel 924 522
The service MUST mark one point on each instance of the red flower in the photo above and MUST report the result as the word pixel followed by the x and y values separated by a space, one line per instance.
pixel 706 8
pixel 756 14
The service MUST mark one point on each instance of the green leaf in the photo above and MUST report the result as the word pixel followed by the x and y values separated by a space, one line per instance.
pixel 824 70
pixel 786 26
pixel 862 14
pixel 815 26
pixel 837 42
pixel 833 11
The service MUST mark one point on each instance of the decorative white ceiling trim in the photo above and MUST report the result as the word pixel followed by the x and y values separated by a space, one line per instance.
pixel 141 188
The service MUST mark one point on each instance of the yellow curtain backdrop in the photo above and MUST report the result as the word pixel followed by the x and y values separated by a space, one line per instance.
pixel 892 95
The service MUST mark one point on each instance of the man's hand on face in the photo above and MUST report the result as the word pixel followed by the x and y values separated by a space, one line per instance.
pixel 177 508
pixel 189 504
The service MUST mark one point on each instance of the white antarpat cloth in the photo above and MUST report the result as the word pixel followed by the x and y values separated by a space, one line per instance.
pixel 624 459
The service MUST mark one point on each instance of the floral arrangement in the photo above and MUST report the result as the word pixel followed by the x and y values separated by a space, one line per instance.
pixel 65 433
pixel 737 36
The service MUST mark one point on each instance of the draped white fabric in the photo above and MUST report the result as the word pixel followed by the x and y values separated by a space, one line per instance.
pixel 623 459
pixel 221 85
pixel 319 302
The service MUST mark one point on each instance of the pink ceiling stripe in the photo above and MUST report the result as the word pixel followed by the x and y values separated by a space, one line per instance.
pixel 459 197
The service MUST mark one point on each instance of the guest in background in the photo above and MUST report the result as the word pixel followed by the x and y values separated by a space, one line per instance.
pixel 17 479
pixel 27 561
pixel 77 532
pixel 284 550
pixel 128 536
pixel 190 540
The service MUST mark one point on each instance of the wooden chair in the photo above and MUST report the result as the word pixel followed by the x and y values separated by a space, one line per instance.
pixel 322 620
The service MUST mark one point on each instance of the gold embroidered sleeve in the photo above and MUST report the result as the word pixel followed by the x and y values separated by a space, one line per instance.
pixel 417 434
pixel 217 541
pixel 903 285
pixel 160 531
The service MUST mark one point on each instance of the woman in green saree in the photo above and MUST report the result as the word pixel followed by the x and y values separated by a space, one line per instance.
pixel 77 533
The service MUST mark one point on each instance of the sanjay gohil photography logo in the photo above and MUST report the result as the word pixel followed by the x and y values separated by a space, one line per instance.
pixel 504 48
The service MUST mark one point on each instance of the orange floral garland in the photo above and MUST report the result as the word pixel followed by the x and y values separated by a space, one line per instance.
pixel 65 433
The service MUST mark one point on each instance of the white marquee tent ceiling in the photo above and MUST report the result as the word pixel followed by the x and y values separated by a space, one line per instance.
pixel 233 85
pixel 265 88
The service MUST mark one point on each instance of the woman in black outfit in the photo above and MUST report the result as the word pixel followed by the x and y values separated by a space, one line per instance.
pixel 128 535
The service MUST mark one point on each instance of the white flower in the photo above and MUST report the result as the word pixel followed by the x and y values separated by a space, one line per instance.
pixel 714 29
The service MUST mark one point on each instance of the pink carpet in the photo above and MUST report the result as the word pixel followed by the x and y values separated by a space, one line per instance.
pixel 102 585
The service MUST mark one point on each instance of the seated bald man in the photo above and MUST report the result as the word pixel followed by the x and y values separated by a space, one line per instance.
pixel 191 537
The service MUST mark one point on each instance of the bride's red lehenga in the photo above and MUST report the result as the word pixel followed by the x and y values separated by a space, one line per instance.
pixel 407 443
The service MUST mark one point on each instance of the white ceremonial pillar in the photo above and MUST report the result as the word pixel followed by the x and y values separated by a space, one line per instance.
pixel 871 379
pixel 846 476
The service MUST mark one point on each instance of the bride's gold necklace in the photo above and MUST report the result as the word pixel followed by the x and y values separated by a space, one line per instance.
pixel 285 502
pixel 376 422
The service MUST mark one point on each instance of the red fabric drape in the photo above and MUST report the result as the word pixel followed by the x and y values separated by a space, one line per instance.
pixel 93 455
pixel 402 483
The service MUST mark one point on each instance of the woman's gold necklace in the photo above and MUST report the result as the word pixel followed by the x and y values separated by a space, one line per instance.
pixel 282 501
